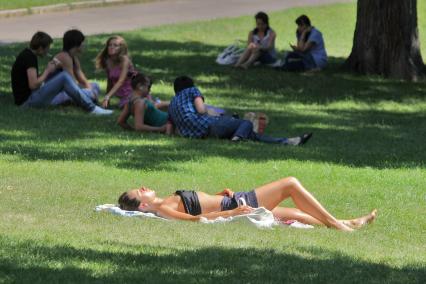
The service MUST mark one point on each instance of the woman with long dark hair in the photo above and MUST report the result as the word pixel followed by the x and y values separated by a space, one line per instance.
pixel 260 44
pixel 193 205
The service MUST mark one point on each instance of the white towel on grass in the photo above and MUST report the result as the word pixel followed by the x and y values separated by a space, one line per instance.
pixel 114 209
pixel 260 217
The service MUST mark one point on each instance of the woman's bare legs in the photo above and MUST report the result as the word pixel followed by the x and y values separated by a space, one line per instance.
pixel 286 214
pixel 243 58
pixel 270 195
pixel 255 53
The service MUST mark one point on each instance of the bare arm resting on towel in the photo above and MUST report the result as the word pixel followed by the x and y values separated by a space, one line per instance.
pixel 170 213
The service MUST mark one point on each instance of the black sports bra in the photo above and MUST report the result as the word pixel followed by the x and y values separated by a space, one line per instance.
pixel 190 201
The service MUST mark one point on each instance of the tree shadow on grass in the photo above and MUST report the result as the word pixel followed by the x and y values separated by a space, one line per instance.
pixel 169 59
pixel 345 137
pixel 376 138
pixel 166 59
pixel 32 263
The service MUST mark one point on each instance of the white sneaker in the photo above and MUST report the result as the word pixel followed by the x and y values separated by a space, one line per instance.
pixel 277 63
pixel 101 111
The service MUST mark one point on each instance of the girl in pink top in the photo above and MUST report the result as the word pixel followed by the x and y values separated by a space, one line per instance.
pixel 115 61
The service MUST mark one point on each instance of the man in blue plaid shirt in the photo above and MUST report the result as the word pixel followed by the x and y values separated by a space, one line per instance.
pixel 189 114
pixel 185 116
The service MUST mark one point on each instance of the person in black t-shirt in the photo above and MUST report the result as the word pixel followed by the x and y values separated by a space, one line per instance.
pixel 25 69
pixel 31 89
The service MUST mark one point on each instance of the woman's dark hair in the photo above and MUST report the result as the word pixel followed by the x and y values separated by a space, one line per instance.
pixel 72 38
pixel 40 39
pixel 127 203
pixel 262 16
pixel 303 20
pixel 182 83
pixel 139 78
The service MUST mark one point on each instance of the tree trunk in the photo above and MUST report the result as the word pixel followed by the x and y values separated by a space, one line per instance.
pixel 386 40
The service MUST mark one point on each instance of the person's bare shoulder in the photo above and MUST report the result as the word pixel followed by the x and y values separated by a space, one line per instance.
pixel 65 59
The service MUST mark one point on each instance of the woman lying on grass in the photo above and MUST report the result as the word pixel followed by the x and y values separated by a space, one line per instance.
pixel 147 116
pixel 191 205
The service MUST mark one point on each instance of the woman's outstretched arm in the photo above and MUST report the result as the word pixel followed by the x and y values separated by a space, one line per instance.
pixel 169 213
pixel 124 116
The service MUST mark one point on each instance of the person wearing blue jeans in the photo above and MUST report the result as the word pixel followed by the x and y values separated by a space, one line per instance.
pixel 226 127
pixel 188 113
pixel 63 81
pixel 309 53
pixel 93 93
pixel 33 90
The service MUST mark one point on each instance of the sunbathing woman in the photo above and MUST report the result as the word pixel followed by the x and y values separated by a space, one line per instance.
pixel 191 205
pixel 147 116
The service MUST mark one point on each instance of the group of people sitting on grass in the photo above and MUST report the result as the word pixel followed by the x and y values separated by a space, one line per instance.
pixel 63 80
pixel 308 54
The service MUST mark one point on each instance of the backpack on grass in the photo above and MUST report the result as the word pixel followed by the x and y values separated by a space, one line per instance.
pixel 230 55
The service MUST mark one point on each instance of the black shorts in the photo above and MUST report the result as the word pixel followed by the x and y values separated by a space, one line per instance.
pixel 229 203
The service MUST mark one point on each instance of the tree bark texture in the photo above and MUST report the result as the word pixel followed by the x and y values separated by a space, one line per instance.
pixel 386 40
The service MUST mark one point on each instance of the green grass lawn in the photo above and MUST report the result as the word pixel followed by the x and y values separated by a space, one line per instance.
pixel 367 152
pixel 17 4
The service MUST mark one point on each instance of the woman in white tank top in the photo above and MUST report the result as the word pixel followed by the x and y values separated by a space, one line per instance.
pixel 260 45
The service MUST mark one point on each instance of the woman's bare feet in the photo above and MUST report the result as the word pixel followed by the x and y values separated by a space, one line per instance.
pixel 244 66
pixel 361 221
pixel 341 226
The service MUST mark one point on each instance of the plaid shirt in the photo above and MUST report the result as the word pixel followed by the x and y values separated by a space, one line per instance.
pixel 185 117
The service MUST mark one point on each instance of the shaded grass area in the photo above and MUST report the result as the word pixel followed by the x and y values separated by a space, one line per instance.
pixel 214 264
pixel 368 151
pixel 352 117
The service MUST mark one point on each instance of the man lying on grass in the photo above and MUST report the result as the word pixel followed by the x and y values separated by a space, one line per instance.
pixel 192 205
pixel 188 113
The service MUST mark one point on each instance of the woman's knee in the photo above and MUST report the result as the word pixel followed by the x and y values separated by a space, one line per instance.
pixel 256 51
pixel 292 181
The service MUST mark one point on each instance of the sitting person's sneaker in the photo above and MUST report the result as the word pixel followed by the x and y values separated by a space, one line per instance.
pixel 101 111
pixel 298 141
pixel 236 139
pixel 277 64
pixel 304 138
